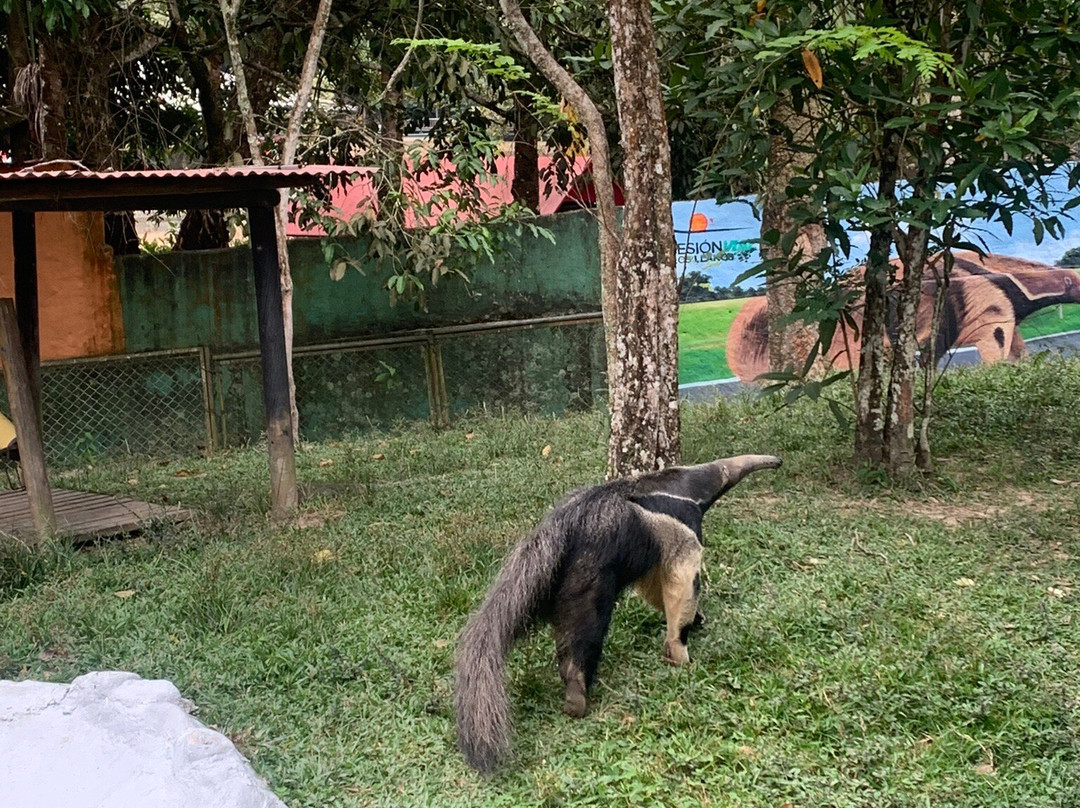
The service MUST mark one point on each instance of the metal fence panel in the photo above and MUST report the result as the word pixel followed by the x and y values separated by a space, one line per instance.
pixel 151 404
pixel 174 403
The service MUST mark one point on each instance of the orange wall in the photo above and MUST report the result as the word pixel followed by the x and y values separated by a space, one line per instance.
pixel 78 294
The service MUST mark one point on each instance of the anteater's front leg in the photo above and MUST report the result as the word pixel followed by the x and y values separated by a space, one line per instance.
pixel 681 581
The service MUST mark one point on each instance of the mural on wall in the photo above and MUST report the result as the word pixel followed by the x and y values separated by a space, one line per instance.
pixel 1002 306
pixel 986 300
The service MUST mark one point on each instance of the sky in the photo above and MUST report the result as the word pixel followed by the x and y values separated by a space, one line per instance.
pixel 712 237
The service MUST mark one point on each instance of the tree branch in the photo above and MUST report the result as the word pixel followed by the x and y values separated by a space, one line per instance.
pixel 576 96
pixel 307 82
pixel 394 76
pixel 247 113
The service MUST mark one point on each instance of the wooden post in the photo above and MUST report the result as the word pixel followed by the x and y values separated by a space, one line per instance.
pixel 279 438
pixel 26 418
pixel 24 247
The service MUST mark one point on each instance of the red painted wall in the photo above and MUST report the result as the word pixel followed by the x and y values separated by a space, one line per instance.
pixel 78 293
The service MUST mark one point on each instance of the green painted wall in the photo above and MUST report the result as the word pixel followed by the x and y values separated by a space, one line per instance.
pixel 180 300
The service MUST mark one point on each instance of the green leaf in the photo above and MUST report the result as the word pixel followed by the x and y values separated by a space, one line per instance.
pixel 838 414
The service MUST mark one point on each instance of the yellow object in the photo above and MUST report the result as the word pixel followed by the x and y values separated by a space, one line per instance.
pixel 7 433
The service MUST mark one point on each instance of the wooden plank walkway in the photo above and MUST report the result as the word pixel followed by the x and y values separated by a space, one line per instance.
pixel 80 515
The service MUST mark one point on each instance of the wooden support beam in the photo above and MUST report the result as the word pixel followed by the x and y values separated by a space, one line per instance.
pixel 24 247
pixel 279 438
pixel 26 417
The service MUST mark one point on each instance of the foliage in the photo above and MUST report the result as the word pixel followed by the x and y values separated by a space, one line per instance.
pixel 63 15
pixel 865 645
pixel 928 122
pixel 1071 258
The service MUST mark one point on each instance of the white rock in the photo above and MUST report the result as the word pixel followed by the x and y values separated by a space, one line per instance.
pixel 113 739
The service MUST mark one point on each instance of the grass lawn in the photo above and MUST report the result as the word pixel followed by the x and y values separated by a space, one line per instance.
pixel 1051 321
pixel 703 329
pixel 867 644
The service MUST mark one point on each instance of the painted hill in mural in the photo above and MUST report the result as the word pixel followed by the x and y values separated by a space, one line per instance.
pixel 985 301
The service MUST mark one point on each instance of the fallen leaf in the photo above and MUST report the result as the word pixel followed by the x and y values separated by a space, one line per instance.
pixel 378 456
pixel 1054 592
pixel 326 461
pixel 964 582
pixel 628 720
pixel 546 450
pixel 813 68
pixel 747 751
pixel 133 481
pixel 470 435
pixel 124 593
pixel 324 555
pixel 440 644
pixel 986 768
pixel 49 654
pixel 1060 482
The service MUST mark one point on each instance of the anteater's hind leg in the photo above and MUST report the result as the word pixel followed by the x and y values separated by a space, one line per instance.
pixel 581 624
pixel 681 582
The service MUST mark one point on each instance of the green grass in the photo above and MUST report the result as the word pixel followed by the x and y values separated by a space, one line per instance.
pixel 867 645
pixel 703 330
pixel 1052 321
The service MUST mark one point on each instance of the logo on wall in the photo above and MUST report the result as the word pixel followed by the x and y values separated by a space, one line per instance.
pixel 718 242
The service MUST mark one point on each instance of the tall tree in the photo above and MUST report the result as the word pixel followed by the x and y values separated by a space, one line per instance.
pixel 645 387
pixel 639 286
pixel 290 142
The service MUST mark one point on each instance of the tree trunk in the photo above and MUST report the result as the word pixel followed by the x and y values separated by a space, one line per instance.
pixel 923 459
pixel 288 154
pixel 18 42
pixel 203 229
pixel 526 184
pixel 644 391
pixel 638 281
pixel 900 448
pixel 53 98
pixel 870 387
pixel 288 157
pixel 120 233
pixel 790 343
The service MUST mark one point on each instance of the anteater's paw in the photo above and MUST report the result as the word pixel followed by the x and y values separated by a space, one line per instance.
pixel 676 653
pixel 575 705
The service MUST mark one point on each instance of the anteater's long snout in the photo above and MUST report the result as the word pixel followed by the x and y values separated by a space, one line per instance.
pixel 741 465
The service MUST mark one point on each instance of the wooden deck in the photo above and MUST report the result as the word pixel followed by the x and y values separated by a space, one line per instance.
pixel 80 515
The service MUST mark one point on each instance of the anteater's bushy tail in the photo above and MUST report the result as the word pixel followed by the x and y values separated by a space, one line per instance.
pixel 480 701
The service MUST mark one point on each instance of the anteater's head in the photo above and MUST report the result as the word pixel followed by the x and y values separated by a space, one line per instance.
pixel 704 483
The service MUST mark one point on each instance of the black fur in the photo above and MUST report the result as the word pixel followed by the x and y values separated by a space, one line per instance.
pixel 570 572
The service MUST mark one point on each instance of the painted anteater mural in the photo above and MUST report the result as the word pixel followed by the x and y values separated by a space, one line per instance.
pixel 986 300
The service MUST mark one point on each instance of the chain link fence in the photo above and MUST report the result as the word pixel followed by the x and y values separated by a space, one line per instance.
pixel 154 404
pixel 174 403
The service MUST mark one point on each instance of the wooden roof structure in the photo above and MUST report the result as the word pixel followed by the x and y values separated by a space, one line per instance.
pixel 70 187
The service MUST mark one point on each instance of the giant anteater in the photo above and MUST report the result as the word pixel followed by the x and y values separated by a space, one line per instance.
pixel 644 531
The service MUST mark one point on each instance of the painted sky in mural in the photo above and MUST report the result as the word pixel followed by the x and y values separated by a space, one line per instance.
pixel 717 238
